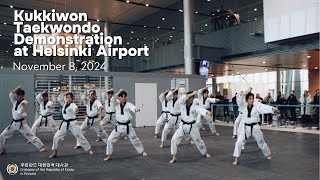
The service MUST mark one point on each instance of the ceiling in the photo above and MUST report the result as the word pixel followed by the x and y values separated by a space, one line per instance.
pixel 308 60
pixel 159 23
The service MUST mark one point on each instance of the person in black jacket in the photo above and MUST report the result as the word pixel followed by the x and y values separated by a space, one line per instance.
pixel 235 106
pixel 292 100
pixel 316 102
pixel 283 110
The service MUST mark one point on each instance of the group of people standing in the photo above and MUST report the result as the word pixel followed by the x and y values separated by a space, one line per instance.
pixel 184 114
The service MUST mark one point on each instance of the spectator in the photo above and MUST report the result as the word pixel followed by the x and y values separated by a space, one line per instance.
pixel 283 110
pixel 292 100
pixel 226 108
pixel 279 95
pixel 305 109
pixel 237 17
pixel 235 106
pixel 316 102
pixel 219 108
pixel 231 18
pixel 259 99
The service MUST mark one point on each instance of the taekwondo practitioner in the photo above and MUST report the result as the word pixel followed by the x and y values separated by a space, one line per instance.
pixel 205 102
pixel 175 115
pixel 241 103
pixel 46 110
pixel 189 114
pixel 93 108
pixel 165 114
pixel 69 122
pixel 124 126
pixel 249 127
pixel 110 116
pixel 19 122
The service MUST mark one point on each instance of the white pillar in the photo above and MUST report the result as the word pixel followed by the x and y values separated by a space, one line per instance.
pixel 188 16
pixel 107 32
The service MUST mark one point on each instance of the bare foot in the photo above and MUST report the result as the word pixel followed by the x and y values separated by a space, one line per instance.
pixel 77 147
pixel 203 129
pixel 217 121
pixel 90 151
pixel 217 134
pixel 191 141
pixel 99 139
pixel 53 155
pixel 107 158
pixel 234 136
pixel 125 137
pixel 144 153
pixel 207 155
pixel 161 145
pixel 236 161
pixel 42 149
pixel 156 136
pixel 28 142
pixel 3 152
pixel 173 160
pixel 269 157
pixel 242 148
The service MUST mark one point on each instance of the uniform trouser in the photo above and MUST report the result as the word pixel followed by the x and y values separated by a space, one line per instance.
pixel 122 129
pixel 97 128
pixel 206 120
pixel 236 124
pixel 183 131
pixel 109 118
pixel 161 120
pixel 256 134
pixel 51 124
pixel 172 123
pixel 25 131
pixel 75 130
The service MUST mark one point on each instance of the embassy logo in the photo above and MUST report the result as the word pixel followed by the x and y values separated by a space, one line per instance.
pixel 12 169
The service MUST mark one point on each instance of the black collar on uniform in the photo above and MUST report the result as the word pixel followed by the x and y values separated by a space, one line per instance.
pixel 188 109
pixel 122 107
pixel 91 103
pixel 65 108
pixel 108 102
pixel 249 111
pixel 204 100
pixel 17 104
pixel 165 103
pixel 44 104
pixel 174 101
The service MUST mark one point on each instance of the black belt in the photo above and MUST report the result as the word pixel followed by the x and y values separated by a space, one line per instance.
pixel 126 124
pixel 46 121
pixel 251 126
pixel 67 121
pixel 177 116
pixel 110 115
pixel 188 123
pixel 166 113
pixel 88 122
pixel 18 120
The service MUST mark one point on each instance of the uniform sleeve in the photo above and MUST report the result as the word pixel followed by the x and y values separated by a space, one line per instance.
pixel 161 97
pixel 183 99
pixel 39 98
pixel 85 99
pixel 104 96
pixel 61 99
pixel 212 100
pixel 201 111
pixel 22 109
pixel 264 109
pixel 169 96
pixel 132 107
pixel 99 104
pixel 240 100
pixel 199 93
pixel 50 103
pixel 74 107
pixel 114 101
pixel 12 97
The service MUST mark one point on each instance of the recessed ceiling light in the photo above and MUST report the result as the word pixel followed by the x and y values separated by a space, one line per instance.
pixel 255 9
pixel 173 27
pixel 316 68
pixel 255 19
pixel 308 57
pixel 201 30
pixel 157 39
pixel 147 5
pixel 158 27
pixel 130 37
pixel 212 14
pixel 144 26
pixel 196 12
pixel 170 35
pixel 137 39
pixel 5 23
pixel 11 6
pixel 226 67
pixel 304 65
pixel 206 25
pixel 237 72
pixel 127 1
pixel 212 75
pixel 163 19
pixel 144 38
pixel 0 35
pixel 128 43
pixel 131 32
pixel 208 0
pixel 169 39
pixel 266 69
pixel 7 51
pixel 10 44
pixel 180 10
pixel 98 20
pixel 263 62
